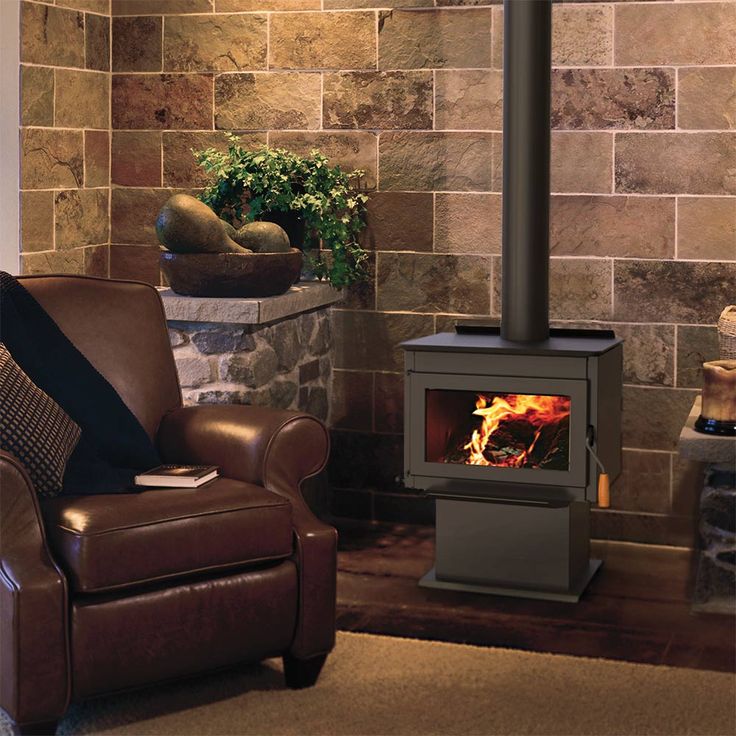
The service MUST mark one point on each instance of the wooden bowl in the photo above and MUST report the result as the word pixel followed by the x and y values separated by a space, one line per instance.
pixel 232 274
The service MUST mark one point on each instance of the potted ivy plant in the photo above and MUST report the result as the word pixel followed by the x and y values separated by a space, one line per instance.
pixel 316 203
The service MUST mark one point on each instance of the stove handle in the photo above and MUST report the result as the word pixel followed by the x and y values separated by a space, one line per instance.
pixel 604 483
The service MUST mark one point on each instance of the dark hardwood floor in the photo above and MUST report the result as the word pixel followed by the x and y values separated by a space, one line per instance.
pixel 637 608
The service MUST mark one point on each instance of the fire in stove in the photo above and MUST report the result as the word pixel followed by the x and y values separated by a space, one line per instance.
pixel 505 430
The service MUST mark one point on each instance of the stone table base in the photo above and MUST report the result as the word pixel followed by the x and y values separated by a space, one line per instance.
pixel 715 585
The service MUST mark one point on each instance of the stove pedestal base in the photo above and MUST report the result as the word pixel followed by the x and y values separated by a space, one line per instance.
pixel 523 547
pixel 569 596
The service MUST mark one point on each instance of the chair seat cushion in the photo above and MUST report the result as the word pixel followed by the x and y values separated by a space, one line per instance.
pixel 107 542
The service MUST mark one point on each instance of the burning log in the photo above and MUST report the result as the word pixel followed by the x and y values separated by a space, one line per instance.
pixel 516 431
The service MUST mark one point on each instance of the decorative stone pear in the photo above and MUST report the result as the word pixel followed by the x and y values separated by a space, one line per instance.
pixel 263 237
pixel 186 225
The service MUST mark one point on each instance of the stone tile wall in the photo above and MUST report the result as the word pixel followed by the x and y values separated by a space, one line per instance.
pixel 65 136
pixel 643 175
pixel 285 364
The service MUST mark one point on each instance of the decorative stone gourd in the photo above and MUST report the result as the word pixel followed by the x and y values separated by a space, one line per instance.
pixel 263 237
pixel 186 225
pixel 718 413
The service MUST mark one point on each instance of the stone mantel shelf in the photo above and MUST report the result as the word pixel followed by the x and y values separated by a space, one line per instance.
pixel 302 297
pixel 708 448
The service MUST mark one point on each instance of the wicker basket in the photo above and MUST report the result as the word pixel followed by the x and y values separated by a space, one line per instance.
pixel 727 333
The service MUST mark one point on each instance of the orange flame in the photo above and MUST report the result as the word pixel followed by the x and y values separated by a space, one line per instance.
pixel 537 410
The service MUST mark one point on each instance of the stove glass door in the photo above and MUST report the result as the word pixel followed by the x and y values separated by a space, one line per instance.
pixel 526 430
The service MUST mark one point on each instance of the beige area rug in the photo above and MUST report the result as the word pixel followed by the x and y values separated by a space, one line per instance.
pixel 385 685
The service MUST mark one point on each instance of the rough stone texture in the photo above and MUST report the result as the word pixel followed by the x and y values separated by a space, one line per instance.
pixel 61 261
pixel 180 168
pixel 351 150
pixel 624 227
pixel 97 42
pixel 649 353
pixel 352 400
pixel 433 38
pixel 133 215
pixel 613 98
pixel 581 36
pixel 192 371
pixel 469 99
pixel 253 370
pixel 95 6
pixel 97 260
pixel 707 98
pixel 581 162
pixel 387 100
pixel 286 336
pixel 649 350
pixel 389 402
pixel 644 483
pixel 151 101
pixel 369 341
pixel 706 228
pixel 261 101
pixel 37 221
pixel 715 584
pixel 467 223
pixel 669 163
pixel 695 345
pixel 177 337
pixel 51 158
pixel 675 33
pixel 156 7
pixel 97 158
pixel 37 95
pixel 82 99
pixel 137 262
pixel 411 282
pixel 576 286
pixel 196 43
pixel 81 217
pixel 399 221
pixel 352 4
pixel 285 365
pixel 323 41
pixel 672 291
pixel 228 339
pixel 234 6
pixel 136 158
pixel 136 44
pixel 653 417
pixel 436 161
pixel 52 36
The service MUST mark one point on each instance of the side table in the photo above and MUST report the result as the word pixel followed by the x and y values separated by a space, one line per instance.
pixel 715 585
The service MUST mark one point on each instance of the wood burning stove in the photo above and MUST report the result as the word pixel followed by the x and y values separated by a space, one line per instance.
pixel 499 432
pixel 508 429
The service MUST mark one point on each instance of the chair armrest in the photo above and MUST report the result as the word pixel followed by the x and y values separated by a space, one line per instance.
pixel 34 674
pixel 273 448
pixel 278 450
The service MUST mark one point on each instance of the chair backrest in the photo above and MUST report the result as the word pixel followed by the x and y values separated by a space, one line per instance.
pixel 120 327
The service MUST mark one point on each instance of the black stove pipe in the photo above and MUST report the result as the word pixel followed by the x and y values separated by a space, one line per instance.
pixel 527 59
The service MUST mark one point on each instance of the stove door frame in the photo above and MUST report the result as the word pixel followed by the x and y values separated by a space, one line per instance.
pixel 418 383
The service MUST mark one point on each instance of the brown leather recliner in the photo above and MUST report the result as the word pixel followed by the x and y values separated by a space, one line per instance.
pixel 108 592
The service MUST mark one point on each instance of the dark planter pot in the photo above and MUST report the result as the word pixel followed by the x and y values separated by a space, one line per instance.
pixel 292 223
pixel 231 274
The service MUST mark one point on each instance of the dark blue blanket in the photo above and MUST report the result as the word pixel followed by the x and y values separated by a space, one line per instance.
pixel 113 446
